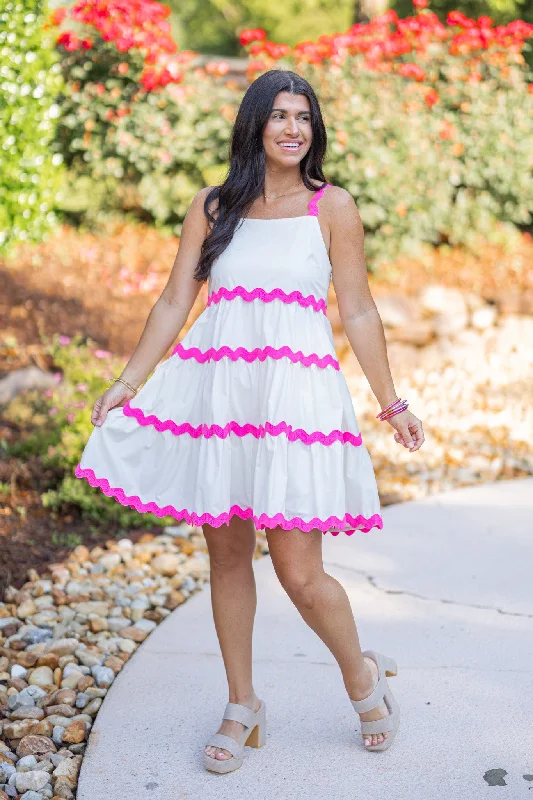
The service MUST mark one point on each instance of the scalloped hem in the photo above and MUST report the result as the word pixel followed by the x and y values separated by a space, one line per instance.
pixel 262 521
pixel 258 431
pixel 275 294
pixel 258 353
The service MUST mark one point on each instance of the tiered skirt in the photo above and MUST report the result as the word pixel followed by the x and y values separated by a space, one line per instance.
pixel 250 416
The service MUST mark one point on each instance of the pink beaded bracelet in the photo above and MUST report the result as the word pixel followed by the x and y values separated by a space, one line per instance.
pixel 394 408
pixel 395 411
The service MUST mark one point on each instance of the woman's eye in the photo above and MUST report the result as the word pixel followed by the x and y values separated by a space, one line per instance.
pixel 277 115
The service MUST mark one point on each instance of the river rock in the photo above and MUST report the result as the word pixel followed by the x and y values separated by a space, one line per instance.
pixel 27 712
pixel 68 770
pixel 104 676
pixel 17 671
pixel 62 709
pixel 65 696
pixel 166 563
pixel 41 676
pixel 98 607
pixel 75 732
pixel 36 779
pixel 26 763
pixel 35 744
pixel 133 633
pixel 21 728
pixel 62 646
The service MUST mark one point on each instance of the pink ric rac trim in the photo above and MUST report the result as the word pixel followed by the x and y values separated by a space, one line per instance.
pixel 267 297
pixel 313 203
pixel 260 522
pixel 260 353
pixel 259 431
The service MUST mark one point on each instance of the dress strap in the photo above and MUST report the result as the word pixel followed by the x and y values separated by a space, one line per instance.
pixel 312 209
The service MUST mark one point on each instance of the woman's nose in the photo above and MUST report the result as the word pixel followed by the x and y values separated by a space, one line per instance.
pixel 292 126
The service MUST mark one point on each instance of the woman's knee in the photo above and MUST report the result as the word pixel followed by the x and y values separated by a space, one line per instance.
pixel 230 547
pixel 299 585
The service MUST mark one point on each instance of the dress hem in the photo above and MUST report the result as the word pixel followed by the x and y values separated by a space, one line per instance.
pixel 349 525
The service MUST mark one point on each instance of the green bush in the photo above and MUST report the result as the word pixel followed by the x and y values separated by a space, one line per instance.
pixel 30 81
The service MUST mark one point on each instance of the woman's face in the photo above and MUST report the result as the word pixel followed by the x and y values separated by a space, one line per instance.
pixel 287 135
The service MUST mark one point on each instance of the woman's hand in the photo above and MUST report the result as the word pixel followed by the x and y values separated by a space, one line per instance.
pixel 117 395
pixel 408 430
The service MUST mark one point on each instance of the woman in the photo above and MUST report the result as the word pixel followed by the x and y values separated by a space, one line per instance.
pixel 249 424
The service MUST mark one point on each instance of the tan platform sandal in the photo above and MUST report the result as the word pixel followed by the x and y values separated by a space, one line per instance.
pixel 381 693
pixel 253 735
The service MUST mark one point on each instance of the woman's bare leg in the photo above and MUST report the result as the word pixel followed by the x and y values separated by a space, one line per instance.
pixel 233 600
pixel 324 605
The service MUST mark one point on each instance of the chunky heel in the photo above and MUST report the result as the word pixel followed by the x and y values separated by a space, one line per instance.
pixel 390 666
pixel 254 735
pixel 257 737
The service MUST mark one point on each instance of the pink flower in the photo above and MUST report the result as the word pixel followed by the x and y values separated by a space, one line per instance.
pixel 52 411
pixel 71 417
pixel 81 387
pixel 102 353
pixel 48 392
pixel 64 340
pixel 56 376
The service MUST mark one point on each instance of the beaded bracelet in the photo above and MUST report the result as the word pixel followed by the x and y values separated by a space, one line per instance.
pixel 394 411
pixel 384 411
pixel 394 408
pixel 112 381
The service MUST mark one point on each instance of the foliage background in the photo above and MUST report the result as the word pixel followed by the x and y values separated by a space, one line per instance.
pixel 30 81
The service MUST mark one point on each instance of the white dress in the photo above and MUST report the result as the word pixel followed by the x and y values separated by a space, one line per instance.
pixel 251 414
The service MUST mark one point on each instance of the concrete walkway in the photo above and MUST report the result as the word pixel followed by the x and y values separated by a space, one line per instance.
pixel 445 587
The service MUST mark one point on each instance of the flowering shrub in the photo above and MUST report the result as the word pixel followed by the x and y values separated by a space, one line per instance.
pixel 429 122
pixel 30 80
pixel 134 135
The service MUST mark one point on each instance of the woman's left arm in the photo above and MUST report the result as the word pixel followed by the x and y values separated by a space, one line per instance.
pixel 359 314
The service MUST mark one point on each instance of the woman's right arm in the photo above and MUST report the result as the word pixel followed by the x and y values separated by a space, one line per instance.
pixel 168 315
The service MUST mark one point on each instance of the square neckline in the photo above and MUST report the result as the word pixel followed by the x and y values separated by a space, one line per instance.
pixel 316 196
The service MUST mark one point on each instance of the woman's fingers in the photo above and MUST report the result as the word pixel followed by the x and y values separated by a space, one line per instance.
pixel 96 411
pixel 417 435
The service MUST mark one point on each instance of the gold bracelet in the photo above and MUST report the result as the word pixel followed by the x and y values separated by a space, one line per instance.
pixel 112 381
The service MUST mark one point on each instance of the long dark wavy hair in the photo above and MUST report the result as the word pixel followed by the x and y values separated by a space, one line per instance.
pixel 247 160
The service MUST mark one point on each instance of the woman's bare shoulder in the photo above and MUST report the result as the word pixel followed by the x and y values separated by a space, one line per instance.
pixel 339 206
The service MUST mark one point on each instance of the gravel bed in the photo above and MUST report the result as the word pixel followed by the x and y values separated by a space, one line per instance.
pixel 66 634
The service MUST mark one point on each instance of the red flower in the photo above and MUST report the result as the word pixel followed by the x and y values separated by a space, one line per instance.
pixel 251 35
pixel 411 70
pixel 420 3
pixel 457 18
pixel 87 43
pixel 58 15
pixel 431 97
pixel 69 40
pixel 149 79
